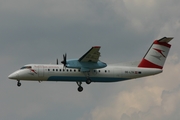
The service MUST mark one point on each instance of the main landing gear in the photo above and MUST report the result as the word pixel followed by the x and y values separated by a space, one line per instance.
pixel 18 83
pixel 80 88
pixel 88 80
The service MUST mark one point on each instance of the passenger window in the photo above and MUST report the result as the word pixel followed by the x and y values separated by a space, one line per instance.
pixel 74 70
pixel 67 70
pixel 48 69
pixel 56 69
pixel 59 69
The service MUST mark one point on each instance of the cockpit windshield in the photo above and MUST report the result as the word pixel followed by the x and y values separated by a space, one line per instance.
pixel 26 67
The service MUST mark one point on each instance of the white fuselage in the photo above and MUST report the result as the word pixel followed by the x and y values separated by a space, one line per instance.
pixel 48 72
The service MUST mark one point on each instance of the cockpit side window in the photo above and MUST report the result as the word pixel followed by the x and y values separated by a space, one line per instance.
pixel 26 67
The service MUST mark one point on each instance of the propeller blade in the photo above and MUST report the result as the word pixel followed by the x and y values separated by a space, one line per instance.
pixel 64 60
pixel 65 57
pixel 57 62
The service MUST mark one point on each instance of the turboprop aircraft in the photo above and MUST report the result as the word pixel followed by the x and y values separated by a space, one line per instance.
pixel 89 68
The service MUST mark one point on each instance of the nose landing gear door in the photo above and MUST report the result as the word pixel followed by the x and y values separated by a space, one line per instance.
pixel 41 71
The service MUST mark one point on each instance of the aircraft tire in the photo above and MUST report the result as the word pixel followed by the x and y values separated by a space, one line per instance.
pixel 18 84
pixel 88 81
pixel 80 88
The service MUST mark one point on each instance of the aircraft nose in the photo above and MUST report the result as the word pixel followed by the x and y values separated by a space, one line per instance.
pixel 13 76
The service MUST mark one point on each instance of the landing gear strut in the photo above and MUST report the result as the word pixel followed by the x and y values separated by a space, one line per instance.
pixel 88 80
pixel 80 88
pixel 18 83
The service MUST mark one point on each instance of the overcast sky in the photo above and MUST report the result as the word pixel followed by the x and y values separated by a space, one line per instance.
pixel 39 31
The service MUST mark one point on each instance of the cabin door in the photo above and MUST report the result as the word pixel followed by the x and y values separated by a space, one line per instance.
pixel 41 71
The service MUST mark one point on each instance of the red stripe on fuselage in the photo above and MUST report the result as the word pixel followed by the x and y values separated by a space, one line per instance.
pixel 33 71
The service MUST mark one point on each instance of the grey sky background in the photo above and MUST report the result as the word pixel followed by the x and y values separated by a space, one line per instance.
pixel 39 31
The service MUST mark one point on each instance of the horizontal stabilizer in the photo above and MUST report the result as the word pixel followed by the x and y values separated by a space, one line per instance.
pixel 165 39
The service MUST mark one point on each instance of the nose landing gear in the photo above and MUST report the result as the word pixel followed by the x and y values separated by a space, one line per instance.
pixel 18 83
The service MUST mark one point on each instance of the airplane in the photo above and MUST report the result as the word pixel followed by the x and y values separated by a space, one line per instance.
pixel 89 68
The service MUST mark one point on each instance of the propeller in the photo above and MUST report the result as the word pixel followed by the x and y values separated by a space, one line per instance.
pixel 64 62
pixel 57 61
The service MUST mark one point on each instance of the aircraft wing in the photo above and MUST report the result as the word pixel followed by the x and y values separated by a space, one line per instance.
pixel 92 55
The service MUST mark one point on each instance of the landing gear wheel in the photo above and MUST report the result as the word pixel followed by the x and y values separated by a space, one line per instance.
pixel 18 84
pixel 88 81
pixel 80 88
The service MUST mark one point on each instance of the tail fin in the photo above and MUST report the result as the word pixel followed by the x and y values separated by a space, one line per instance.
pixel 157 53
